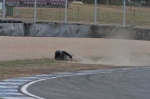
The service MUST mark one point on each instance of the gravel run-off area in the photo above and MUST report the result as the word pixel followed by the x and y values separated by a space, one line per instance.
pixel 88 53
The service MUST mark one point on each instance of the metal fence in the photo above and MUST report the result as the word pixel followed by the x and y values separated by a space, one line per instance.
pixel 123 13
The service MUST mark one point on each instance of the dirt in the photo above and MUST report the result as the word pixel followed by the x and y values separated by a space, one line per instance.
pixel 88 53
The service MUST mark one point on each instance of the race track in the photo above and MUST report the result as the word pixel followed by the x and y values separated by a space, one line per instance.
pixel 131 84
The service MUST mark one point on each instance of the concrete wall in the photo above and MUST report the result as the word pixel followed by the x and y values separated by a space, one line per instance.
pixel 59 30
pixel 73 30
pixel 118 32
pixel 76 30
pixel 12 29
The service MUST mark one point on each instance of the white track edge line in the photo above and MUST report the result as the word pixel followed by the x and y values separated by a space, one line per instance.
pixel 24 88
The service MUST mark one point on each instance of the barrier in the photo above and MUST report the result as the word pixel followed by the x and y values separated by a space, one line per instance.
pixel 73 30
pixel 59 30
pixel 11 29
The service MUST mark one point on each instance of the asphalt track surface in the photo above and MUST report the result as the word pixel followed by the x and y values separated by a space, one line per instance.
pixel 132 84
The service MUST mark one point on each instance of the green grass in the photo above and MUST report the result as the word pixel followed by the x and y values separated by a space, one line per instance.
pixel 85 14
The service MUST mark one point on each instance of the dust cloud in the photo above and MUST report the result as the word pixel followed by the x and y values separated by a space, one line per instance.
pixel 142 60
pixel 119 53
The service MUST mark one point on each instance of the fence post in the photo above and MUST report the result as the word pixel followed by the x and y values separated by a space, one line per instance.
pixel 17 11
pixel 107 3
pixel 95 12
pixel 3 10
pixel 66 10
pixel 117 17
pixel 124 13
pixel 59 13
pixel 34 11
pixel 40 12
pixel 134 17
pixel 78 13
pixel 98 14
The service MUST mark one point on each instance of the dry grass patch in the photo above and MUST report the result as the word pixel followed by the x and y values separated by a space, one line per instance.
pixel 85 13
pixel 21 68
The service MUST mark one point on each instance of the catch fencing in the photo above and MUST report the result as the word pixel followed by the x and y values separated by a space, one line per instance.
pixel 115 12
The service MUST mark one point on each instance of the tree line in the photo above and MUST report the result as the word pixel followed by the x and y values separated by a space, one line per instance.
pixel 119 2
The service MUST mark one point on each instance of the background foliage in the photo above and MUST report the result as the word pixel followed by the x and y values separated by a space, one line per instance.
pixel 120 2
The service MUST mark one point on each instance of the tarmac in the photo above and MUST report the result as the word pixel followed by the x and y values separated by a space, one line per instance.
pixel 117 84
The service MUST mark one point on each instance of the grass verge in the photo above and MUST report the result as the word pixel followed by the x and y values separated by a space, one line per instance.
pixel 9 69
pixel 21 68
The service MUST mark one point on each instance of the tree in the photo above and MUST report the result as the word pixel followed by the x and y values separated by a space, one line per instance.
pixel 118 2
